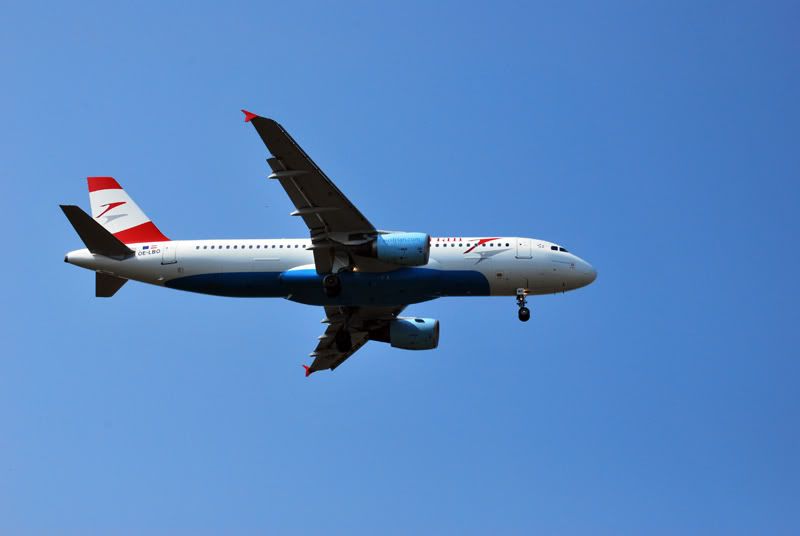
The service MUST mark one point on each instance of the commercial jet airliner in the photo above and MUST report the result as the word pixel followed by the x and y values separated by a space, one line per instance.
pixel 363 277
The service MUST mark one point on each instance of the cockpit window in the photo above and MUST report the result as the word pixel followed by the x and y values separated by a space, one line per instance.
pixel 554 248
pixel 562 249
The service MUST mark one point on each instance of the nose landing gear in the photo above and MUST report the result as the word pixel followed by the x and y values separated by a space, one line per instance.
pixel 524 313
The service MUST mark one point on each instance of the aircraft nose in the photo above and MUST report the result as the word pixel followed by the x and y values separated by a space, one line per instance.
pixel 587 273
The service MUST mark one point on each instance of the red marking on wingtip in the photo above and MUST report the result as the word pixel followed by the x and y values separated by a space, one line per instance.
pixel 308 370
pixel 248 116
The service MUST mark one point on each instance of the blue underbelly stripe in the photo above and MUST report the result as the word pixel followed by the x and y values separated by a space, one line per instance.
pixel 237 284
pixel 403 286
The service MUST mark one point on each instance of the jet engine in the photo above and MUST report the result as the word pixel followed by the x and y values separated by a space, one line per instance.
pixel 405 249
pixel 409 333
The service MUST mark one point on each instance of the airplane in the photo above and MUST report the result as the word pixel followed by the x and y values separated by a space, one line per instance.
pixel 362 276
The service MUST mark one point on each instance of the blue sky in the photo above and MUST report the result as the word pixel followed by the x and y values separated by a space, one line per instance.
pixel 658 141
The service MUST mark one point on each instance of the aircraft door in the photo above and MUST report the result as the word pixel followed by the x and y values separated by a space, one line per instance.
pixel 168 254
pixel 523 248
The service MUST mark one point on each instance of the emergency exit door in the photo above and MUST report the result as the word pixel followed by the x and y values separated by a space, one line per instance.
pixel 523 248
pixel 168 254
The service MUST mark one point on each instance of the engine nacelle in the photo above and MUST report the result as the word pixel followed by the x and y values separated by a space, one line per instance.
pixel 406 249
pixel 414 333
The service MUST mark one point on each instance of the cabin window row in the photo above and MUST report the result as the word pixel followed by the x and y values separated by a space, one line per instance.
pixel 296 246
pixel 257 246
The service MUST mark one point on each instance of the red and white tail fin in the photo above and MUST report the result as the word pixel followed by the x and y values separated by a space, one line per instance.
pixel 114 209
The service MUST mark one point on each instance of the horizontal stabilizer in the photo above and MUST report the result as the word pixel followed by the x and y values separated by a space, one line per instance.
pixel 106 285
pixel 97 239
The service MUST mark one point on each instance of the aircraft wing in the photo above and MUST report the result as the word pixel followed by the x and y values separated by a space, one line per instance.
pixel 333 221
pixel 348 330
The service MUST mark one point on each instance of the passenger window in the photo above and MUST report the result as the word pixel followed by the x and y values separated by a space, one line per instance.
pixel 227 247
pixel 234 247
pixel 507 244
pixel 205 247
pixel 212 247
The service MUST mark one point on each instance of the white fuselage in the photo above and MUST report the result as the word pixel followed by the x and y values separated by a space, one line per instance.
pixel 458 266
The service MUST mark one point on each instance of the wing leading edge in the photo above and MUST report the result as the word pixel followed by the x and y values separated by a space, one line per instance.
pixel 327 213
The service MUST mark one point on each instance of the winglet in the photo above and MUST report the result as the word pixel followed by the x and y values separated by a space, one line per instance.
pixel 248 116
pixel 308 370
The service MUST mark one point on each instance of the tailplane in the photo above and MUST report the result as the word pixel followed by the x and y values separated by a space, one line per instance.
pixel 106 285
pixel 114 209
pixel 97 238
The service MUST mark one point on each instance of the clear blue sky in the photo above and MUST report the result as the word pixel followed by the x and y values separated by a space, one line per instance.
pixel 659 142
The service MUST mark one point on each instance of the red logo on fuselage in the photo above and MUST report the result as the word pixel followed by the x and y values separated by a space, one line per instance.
pixel 481 242
pixel 109 206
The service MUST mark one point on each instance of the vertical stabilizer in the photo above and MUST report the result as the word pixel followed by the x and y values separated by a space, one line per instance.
pixel 114 209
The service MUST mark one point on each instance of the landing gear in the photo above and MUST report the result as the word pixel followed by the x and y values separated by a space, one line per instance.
pixel 332 285
pixel 524 313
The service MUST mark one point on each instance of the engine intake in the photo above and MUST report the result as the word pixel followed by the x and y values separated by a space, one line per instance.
pixel 406 249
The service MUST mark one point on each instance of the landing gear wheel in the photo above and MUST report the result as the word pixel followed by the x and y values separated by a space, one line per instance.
pixel 524 312
pixel 332 285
